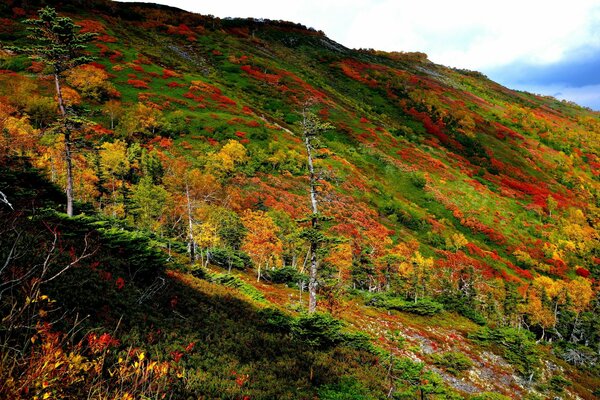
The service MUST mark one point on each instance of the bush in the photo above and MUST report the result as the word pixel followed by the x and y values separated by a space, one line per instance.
pixel 287 275
pixel 318 330
pixel 516 346
pixel 227 258
pixel 346 389
pixel 425 307
pixel 558 383
pixel 418 180
pixel 453 362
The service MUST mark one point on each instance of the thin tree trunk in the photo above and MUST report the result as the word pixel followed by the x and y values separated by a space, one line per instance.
pixel 312 281
pixel 191 242
pixel 68 150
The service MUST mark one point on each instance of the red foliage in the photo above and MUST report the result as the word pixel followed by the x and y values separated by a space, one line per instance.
pixel 136 83
pixel 116 56
pixel 36 67
pixel 359 71
pixel 106 39
pixel 176 355
pixel 98 344
pixel 478 227
pixel 182 30
pixel 6 25
pixel 559 267
pixel 475 250
pixel 138 68
pixel 92 26
pixel 523 273
pixel 272 79
pixel 190 347
pixel 502 132
pixel 120 283
pixel 582 272
pixel 167 73
pixel 165 143
pixel 98 65
pixel 175 84
pixel 18 12
pixel 223 99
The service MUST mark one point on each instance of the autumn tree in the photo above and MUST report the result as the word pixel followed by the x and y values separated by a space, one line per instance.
pixel 59 45
pixel 114 165
pixel 261 242
pixel 149 202
pixel 191 188
pixel 224 162
pixel 113 110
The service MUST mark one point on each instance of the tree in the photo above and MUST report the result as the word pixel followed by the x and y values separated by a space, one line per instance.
pixel 60 47
pixel 113 110
pixel 261 242
pixel 148 203
pixel 192 188
pixel 312 128
pixel 114 166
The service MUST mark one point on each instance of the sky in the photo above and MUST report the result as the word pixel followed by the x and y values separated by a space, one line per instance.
pixel 549 47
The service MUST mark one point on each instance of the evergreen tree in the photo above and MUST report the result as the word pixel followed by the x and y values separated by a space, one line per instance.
pixel 55 41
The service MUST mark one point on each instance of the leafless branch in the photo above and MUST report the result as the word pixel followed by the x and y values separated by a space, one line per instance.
pixel 4 200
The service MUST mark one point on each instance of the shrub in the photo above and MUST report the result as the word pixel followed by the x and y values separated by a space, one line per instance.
pixel 288 275
pixel 453 362
pixel 558 383
pixel 318 330
pixel 228 258
pixel 346 389
pixel 425 307
pixel 418 180
pixel 517 346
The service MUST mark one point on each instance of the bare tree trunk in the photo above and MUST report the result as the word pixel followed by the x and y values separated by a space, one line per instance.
pixel 312 281
pixel 68 150
pixel 191 241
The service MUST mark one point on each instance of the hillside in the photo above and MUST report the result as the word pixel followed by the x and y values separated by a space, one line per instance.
pixel 456 236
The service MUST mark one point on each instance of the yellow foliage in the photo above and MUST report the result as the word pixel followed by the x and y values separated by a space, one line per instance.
pixel 223 162
pixel 456 241
pixel 261 242
pixel 581 292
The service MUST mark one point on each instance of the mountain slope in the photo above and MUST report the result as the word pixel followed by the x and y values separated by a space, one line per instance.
pixel 442 190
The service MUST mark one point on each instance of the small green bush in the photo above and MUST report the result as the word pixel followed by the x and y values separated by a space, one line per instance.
pixel 346 389
pixel 517 346
pixel 426 307
pixel 558 383
pixel 228 258
pixel 287 275
pixel 453 362
pixel 418 180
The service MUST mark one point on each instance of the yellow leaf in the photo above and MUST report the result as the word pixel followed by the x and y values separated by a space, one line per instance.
pixel 141 356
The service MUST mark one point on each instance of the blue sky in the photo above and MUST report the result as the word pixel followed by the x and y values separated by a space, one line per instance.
pixel 549 47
